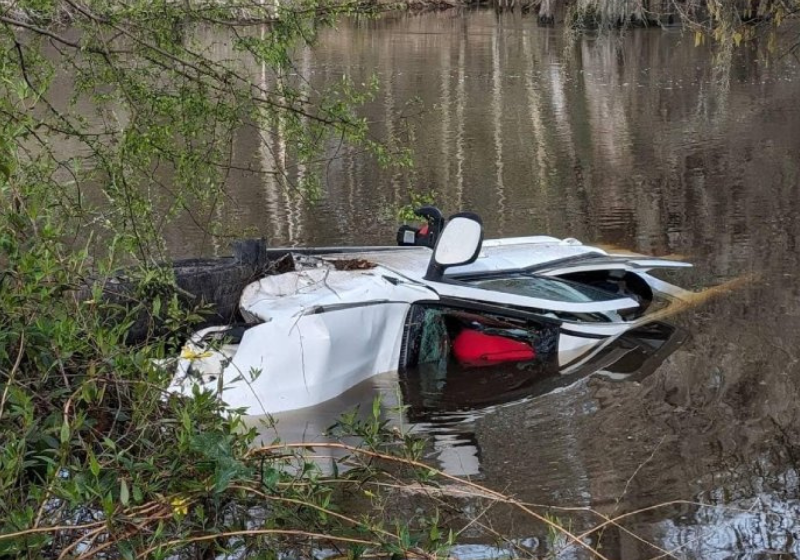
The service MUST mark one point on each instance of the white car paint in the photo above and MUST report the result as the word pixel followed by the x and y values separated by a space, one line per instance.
pixel 319 331
pixel 298 356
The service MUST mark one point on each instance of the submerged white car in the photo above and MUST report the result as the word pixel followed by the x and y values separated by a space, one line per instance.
pixel 341 316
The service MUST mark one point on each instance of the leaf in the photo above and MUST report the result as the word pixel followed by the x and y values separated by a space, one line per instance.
pixel 124 495
pixel 224 475
pixel 376 407
pixel 94 466
pixel 271 478
pixel 698 38
pixel 126 550
pixel 189 353
pixel 65 432
pixel 737 38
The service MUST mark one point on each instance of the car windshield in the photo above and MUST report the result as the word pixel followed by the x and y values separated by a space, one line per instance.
pixel 544 288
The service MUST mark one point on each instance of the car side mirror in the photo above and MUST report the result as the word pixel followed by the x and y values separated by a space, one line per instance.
pixel 459 244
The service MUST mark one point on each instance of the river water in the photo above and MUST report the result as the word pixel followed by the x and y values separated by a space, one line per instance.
pixel 637 142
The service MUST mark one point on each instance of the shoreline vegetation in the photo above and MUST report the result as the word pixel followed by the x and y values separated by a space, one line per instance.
pixel 96 460
pixel 580 14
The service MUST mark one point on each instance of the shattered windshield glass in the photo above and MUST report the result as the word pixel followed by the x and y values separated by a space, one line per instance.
pixel 545 288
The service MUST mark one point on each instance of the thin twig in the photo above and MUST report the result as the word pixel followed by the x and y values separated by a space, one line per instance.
pixel 12 373
pixel 417 464
pixel 253 533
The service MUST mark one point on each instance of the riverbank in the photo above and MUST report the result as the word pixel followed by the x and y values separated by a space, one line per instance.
pixel 734 22
pixel 575 14
pixel 631 142
pixel 572 12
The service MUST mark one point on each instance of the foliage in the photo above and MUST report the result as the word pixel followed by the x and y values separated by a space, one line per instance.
pixel 96 458
pixel 593 14
pixel 406 213
pixel 728 23
pixel 135 113
pixel 733 23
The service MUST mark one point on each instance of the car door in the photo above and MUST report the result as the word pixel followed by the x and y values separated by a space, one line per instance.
pixel 587 315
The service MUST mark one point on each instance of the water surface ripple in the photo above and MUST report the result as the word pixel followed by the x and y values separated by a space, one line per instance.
pixel 637 142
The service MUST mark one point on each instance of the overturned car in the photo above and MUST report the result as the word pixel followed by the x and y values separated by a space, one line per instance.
pixel 341 316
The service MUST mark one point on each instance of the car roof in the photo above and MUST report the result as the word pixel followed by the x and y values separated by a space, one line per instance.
pixel 496 255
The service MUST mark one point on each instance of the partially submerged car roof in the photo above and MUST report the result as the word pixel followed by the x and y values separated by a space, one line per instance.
pixel 546 255
pixel 496 255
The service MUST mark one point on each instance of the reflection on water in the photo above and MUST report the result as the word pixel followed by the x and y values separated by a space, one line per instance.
pixel 311 425
pixel 631 142
pixel 446 401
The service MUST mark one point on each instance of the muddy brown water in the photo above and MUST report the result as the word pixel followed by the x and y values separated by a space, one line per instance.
pixel 637 142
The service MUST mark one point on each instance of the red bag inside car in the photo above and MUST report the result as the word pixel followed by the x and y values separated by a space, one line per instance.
pixel 475 348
